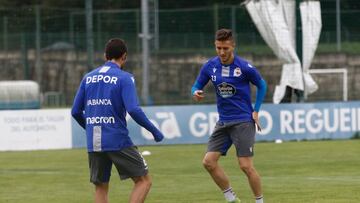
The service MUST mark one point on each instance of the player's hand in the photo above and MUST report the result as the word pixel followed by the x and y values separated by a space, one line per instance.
pixel 198 95
pixel 158 137
pixel 255 116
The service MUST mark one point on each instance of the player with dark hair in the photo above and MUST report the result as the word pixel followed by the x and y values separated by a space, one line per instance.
pixel 101 102
pixel 231 77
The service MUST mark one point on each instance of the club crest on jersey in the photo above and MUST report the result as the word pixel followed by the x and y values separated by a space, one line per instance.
pixel 226 90
pixel 237 72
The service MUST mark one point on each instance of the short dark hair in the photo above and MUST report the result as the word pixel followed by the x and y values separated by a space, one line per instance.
pixel 223 35
pixel 115 48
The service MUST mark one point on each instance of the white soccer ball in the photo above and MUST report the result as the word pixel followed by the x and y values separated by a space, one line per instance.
pixel 146 153
pixel 278 141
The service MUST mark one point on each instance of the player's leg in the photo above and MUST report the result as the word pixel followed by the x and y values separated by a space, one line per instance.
pixel 141 188
pixel 218 145
pixel 130 164
pixel 100 170
pixel 217 173
pixel 210 163
pixel 247 166
pixel 243 137
pixel 101 193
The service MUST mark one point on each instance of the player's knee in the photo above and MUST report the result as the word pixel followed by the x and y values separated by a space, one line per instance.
pixel 101 187
pixel 147 181
pixel 208 164
pixel 247 169
pixel 143 180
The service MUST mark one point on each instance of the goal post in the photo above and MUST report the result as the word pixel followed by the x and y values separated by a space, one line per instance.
pixel 341 71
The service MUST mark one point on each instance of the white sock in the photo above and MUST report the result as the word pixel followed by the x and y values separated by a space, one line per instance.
pixel 259 199
pixel 229 194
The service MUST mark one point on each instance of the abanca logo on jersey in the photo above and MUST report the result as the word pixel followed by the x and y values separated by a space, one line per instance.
pixel 226 90
pixel 96 102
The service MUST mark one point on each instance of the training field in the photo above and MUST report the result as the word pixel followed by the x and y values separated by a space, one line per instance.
pixel 316 171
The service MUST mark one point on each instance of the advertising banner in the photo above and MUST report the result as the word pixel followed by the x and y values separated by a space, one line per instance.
pixel 187 124
pixel 192 124
pixel 35 129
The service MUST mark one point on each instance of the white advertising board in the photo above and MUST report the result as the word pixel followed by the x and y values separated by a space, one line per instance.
pixel 35 129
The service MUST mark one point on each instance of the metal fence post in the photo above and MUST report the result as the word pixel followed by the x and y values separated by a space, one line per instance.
pixel 98 31
pixel 233 20
pixel 71 29
pixel 89 34
pixel 338 26
pixel 5 33
pixel 216 17
pixel 38 45
pixel 156 25
pixel 24 56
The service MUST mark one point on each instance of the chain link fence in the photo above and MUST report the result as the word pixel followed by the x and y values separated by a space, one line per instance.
pixel 185 41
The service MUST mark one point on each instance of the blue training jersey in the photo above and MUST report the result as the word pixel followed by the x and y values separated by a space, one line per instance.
pixel 232 84
pixel 100 105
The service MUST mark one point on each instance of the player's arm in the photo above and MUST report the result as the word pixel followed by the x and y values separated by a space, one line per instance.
pixel 131 103
pixel 77 110
pixel 260 95
pixel 197 92
pixel 199 84
pixel 256 79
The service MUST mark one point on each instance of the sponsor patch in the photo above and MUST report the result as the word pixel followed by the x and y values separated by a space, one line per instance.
pixel 225 71
pixel 97 138
pixel 226 90
pixel 100 120
pixel 98 102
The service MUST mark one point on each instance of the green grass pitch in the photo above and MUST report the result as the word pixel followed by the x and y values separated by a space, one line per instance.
pixel 309 172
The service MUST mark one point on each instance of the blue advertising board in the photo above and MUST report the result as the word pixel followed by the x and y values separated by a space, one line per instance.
pixel 192 124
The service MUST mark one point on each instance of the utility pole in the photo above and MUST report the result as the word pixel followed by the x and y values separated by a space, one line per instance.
pixel 145 50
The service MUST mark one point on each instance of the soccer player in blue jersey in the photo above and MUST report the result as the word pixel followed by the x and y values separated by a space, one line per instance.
pixel 231 77
pixel 101 102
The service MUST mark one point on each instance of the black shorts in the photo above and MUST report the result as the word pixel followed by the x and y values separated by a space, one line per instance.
pixel 241 134
pixel 128 162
